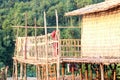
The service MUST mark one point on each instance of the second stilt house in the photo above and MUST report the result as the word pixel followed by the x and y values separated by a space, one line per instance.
pixel 100 29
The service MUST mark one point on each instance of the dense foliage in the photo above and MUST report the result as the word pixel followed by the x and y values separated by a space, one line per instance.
pixel 12 13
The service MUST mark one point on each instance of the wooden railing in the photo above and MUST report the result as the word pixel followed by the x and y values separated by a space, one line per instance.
pixel 70 47
pixel 35 48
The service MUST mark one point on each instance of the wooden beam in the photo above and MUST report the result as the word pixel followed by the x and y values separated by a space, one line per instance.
pixel 102 71
pixel 39 27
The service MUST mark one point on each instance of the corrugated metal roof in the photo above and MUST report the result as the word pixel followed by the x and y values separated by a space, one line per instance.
pixel 103 6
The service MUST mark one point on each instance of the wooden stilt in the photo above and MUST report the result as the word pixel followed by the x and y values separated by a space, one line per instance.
pixel 63 70
pixel 86 72
pixel 37 72
pixel 91 72
pixel 102 71
pixel 55 72
pixel 73 77
pixel 80 71
pixel 106 72
pixel 97 73
pixel 114 72
pixel 21 71
pixel 42 72
pixel 13 74
pixel 25 72
pixel 16 70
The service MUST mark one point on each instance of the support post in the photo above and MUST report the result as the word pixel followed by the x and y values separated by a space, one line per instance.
pixel 58 48
pixel 86 71
pixel 73 76
pixel 97 73
pixel 25 72
pixel 63 70
pixel 46 46
pixel 80 71
pixel 16 70
pixel 21 71
pixel 114 72
pixel 91 72
pixel 102 71
pixel 37 72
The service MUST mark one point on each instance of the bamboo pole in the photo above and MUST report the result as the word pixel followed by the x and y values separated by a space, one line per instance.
pixel 86 72
pixel 13 73
pixel 16 70
pixel 37 72
pixel 21 71
pixel 36 52
pixel 106 72
pixel 73 76
pixel 63 70
pixel 25 53
pixel 102 71
pixel 91 72
pixel 46 46
pixel 57 49
pixel 80 71
pixel 97 73
pixel 114 72
pixel 40 27
pixel 25 72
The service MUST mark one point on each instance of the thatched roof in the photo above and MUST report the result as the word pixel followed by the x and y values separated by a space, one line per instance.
pixel 103 6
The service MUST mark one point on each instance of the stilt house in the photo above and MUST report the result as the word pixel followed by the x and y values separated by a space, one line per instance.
pixel 100 29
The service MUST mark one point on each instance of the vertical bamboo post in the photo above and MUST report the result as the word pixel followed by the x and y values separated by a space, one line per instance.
pixel 73 76
pixel 114 72
pixel 102 71
pixel 38 72
pixel 16 70
pixel 86 71
pixel 80 71
pixel 63 70
pixel 46 46
pixel 25 53
pixel 97 73
pixel 35 40
pixel 58 48
pixel 25 72
pixel 55 71
pixel 106 72
pixel 91 72
pixel 21 71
